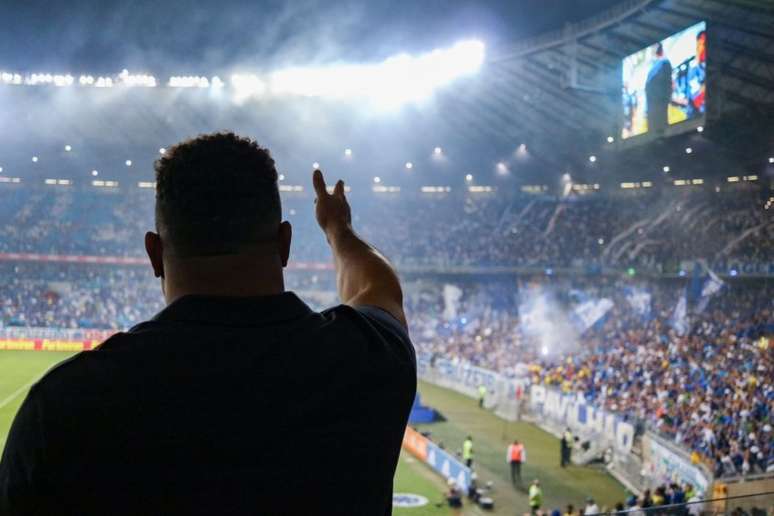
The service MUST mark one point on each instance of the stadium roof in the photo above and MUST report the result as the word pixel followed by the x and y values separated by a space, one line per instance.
pixel 537 110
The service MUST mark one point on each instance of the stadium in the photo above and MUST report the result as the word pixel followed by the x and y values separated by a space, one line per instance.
pixel 578 201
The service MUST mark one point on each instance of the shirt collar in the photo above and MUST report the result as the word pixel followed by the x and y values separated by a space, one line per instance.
pixel 234 311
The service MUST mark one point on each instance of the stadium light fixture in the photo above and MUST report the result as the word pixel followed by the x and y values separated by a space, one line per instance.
pixel 593 158
pixel 771 159
pixel 94 173
pixel 437 151
pixel 601 241
pixel 315 165
pixel 162 150
pixel 348 152
pixel 469 177
pixel 688 150
pixel 34 159
pixel 409 165
pixel 377 179
pixel 68 148
pixel 128 163
pixel 502 168
pixel 281 177
pixel 610 139
pixel 700 129
pixel 1 170
pixel 666 169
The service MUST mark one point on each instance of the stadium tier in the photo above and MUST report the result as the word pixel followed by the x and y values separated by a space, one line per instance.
pixel 655 231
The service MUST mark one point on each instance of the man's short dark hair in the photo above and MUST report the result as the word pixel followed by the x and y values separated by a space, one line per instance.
pixel 216 194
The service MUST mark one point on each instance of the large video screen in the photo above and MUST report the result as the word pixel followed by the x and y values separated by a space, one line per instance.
pixel 664 84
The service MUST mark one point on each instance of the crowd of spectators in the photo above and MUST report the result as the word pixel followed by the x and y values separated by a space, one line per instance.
pixel 654 231
pixel 708 385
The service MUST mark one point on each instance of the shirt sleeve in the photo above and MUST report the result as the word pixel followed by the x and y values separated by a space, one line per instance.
pixel 21 460
pixel 390 330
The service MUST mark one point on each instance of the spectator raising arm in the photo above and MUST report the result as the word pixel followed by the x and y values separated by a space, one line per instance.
pixel 363 275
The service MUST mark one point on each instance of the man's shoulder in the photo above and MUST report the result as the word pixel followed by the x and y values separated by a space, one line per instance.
pixel 368 318
pixel 76 366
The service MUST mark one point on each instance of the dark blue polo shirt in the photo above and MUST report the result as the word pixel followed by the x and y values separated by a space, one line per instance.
pixel 219 406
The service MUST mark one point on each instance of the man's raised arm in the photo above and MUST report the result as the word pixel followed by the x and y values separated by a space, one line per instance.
pixel 363 275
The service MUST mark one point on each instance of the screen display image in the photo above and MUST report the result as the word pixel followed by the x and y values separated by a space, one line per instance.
pixel 664 84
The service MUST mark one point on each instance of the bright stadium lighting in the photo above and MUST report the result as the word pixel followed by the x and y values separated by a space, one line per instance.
pixel 34 159
pixel 566 178
pixel 592 158
pixel 127 79
pixel 666 169
pixel 68 148
pixel 688 150
pixel 162 150
pixel 501 168
pixel 348 152
pixel 315 165
pixel 246 86
pixel 409 165
pixel 128 163
pixel 601 241
pixel 94 173
pixel 395 81
pixel 281 177
pixel 469 177
pixel 544 350
pixel 610 139
pixel 771 160
pixel 700 129
pixel 437 151
pixel 377 179
pixel 521 151
pixel 1 170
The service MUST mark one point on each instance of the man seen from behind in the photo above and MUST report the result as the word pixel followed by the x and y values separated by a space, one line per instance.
pixel 210 406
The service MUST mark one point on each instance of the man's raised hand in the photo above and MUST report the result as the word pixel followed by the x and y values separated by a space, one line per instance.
pixel 332 210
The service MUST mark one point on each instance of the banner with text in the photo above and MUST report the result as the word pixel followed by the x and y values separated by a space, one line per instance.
pixel 440 460
pixel 663 464
pixel 566 410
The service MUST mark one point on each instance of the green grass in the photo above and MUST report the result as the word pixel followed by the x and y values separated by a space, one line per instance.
pixel 417 478
pixel 491 436
pixel 18 370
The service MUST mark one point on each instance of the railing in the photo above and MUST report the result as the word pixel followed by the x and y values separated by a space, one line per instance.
pixel 759 504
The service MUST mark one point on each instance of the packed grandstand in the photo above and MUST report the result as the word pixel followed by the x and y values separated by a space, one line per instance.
pixel 543 248
pixel 702 377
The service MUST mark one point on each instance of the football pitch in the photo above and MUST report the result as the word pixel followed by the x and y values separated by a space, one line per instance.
pixel 491 435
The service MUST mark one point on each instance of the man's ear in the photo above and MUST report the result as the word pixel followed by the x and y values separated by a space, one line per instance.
pixel 155 250
pixel 284 237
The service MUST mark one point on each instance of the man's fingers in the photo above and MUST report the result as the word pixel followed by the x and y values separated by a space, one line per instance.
pixel 338 190
pixel 319 184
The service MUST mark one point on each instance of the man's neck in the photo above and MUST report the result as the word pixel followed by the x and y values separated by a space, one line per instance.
pixel 243 275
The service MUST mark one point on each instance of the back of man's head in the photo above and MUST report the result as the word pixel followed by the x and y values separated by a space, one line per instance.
pixel 216 195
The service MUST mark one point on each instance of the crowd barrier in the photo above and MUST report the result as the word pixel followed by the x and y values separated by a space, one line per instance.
pixel 438 459
pixel 51 339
